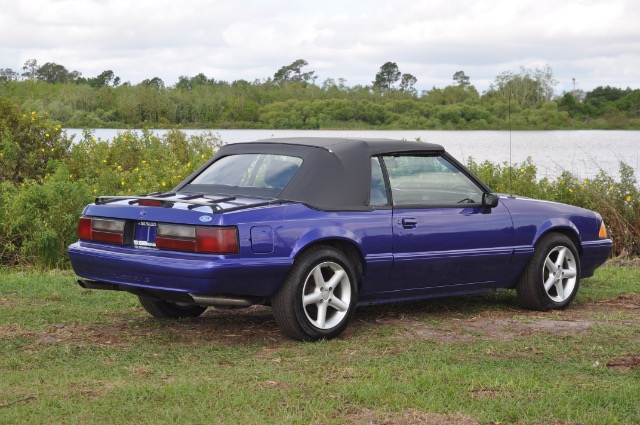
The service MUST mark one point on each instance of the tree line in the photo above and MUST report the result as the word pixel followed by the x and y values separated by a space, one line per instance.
pixel 292 98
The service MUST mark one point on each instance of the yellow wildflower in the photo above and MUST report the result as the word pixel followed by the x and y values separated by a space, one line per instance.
pixel 104 160
pixel 42 149
pixel 93 139
pixel 571 190
pixel 164 184
pixel 188 164
pixel 119 167
pixel 628 198
pixel 95 190
pixel 585 181
pixel 33 112
pixel 136 169
pixel 522 170
pixel 202 156
pixel 123 183
pixel 46 135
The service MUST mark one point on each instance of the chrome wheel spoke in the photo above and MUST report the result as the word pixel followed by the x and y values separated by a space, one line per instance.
pixel 322 315
pixel 560 291
pixel 338 304
pixel 548 284
pixel 317 277
pixel 560 260
pixel 312 298
pixel 551 265
pixel 335 279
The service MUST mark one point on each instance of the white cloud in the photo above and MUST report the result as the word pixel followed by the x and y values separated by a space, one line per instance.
pixel 596 42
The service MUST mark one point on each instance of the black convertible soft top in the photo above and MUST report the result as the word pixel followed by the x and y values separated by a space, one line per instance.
pixel 335 173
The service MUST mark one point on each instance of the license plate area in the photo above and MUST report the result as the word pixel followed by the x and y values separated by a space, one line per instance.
pixel 145 234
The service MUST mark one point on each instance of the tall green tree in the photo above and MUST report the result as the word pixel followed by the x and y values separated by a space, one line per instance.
pixel 387 76
pixel 293 73
pixel 52 72
pixel 526 88
pixel 407 81
pixel 105 79
pixel 461 79
pixel 30 69
pixel 7 74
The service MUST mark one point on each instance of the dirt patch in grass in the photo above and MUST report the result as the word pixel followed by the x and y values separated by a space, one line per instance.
pixel 254 325
pixel 449 321
pixel 450 324
pixel 626 362
pixel 625 301
pixel 405 417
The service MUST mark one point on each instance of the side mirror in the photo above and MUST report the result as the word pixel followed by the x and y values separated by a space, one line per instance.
pixel 490 200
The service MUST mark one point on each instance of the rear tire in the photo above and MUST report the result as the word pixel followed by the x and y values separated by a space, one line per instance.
pixel 318 298
pixel 168 310
pixel 552 277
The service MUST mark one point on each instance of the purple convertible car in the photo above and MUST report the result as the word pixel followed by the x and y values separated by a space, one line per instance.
pixel 315 227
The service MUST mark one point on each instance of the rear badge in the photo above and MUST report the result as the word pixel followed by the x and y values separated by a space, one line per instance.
pixel 205 218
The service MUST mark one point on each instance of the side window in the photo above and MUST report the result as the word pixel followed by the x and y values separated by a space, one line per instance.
pixel 378 196
pixel 429 181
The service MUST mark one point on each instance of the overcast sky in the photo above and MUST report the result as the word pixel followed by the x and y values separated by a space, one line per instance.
pixel 596 42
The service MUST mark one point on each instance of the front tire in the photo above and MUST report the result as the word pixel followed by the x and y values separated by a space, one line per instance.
pixel 168 310
pixel 318 298
pixel 552 278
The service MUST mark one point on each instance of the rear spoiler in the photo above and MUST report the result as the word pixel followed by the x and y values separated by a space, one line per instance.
pixel 168 199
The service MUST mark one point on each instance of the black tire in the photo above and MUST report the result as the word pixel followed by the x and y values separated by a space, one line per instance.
pixel 328 309
pixel 550 285
pixel 168 310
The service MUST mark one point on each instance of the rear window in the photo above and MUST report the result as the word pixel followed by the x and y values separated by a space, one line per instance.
pixel 259 174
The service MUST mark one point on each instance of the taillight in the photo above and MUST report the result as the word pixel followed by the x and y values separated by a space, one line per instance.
pixel 101 230
pixel 212 240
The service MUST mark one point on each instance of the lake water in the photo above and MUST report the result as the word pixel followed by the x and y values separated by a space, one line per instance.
pixel 582 152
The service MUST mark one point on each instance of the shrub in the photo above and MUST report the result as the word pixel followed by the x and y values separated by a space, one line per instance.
pixel 617 201
pixel 29 142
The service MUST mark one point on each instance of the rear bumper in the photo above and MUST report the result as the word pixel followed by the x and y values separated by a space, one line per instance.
pixel 134 269
pixel 594 254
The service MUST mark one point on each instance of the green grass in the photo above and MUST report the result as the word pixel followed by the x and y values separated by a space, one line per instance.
pixel 69 355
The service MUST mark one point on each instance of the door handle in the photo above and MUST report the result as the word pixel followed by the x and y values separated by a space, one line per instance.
pixel 409 223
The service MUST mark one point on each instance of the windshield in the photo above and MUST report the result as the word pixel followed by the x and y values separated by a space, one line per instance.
pixel 247 174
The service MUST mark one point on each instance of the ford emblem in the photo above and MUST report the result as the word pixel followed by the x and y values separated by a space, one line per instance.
pixel 205 218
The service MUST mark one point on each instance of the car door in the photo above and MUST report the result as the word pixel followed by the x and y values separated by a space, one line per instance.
pixel 443 237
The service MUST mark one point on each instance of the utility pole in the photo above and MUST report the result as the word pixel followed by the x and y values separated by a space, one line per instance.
pixel 574 83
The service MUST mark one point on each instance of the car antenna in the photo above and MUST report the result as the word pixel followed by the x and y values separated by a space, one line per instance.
pixel 510 156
